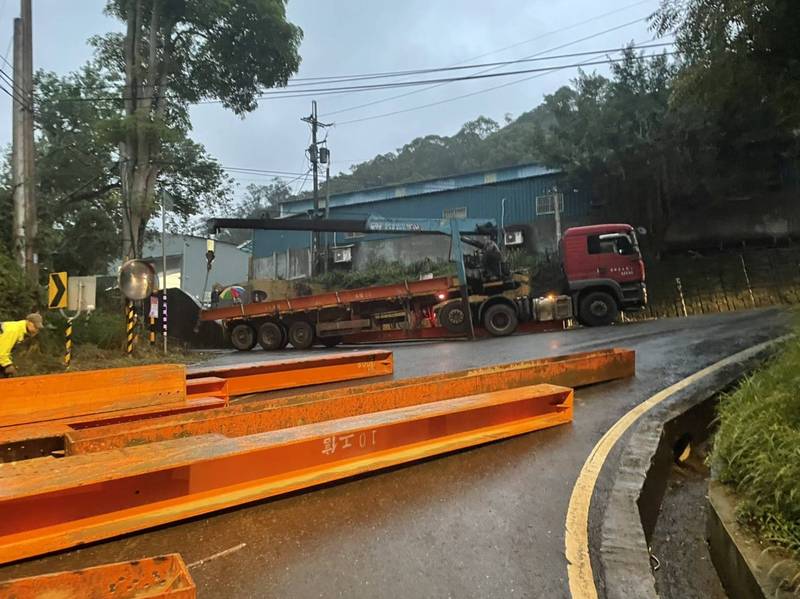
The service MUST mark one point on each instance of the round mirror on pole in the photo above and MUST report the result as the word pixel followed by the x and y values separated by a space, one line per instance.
pixel 137 279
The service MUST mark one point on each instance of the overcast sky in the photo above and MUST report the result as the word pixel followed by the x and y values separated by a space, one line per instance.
pixel 362 36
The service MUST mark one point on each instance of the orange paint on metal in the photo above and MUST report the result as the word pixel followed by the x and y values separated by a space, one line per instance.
pixel 32 399
pixel 331 300
pixel 574 370
pixel 259 377
pixel 49 504
pixel 163 577
pixel 29 441
pixel 207 386
pixel 422 333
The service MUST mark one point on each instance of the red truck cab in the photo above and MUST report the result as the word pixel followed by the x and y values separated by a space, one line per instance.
pixel 604 272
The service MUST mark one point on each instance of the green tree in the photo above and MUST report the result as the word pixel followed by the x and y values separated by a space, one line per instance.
pixel 614 135
pixel 737 94
pixel 731 48
pixel 173 54
pixel 78 175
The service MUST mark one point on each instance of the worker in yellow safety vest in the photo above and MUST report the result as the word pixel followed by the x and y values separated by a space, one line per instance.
pixel 12 333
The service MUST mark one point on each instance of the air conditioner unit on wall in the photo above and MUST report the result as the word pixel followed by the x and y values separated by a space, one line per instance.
pixel 342 255
pixel 514 238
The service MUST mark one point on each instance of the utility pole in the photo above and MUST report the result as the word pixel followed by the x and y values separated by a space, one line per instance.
pixel 313 152
pixel 327 161
pixel 558 205
pixel 31 216
pixel 18 150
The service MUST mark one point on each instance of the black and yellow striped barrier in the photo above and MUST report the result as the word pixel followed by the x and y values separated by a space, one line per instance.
pixel 129 323
pixel 68 348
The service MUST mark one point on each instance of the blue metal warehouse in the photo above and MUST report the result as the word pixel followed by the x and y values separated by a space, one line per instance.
pixel 521 199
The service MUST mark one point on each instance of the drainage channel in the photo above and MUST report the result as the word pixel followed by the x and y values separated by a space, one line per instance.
pixel 681 560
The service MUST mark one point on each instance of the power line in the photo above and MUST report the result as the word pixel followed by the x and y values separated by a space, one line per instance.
pixel 533 58
pixel 373 87
pixel 256 171
pixel 536 55
pixel 503 49
pixel 16 90
pixel 488 89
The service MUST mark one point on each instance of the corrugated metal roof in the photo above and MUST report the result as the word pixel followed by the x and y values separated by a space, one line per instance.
pixel 407 190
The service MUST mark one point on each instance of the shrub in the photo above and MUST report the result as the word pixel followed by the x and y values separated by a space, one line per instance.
pixel 757 448
pixel 18 296
pixel 381 272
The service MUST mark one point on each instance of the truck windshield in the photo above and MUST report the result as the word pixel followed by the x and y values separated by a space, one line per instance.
pixel 626 244
pixel 613 243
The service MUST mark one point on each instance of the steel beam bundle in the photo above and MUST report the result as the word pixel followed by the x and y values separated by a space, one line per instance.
pixel 47 397
pixel 51 504
pixel 37 412
pixel 574 370
pixel 163 577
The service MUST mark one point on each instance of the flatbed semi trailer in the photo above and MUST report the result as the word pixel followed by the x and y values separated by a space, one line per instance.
pixel 430 308
pixel 602 268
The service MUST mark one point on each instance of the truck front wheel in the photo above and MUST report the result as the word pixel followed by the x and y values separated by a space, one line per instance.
pixel 500 320
pixel 243 336
pixel 301 334
pixel 597 309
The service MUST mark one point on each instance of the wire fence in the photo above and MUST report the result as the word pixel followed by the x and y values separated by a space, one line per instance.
pixel 686 286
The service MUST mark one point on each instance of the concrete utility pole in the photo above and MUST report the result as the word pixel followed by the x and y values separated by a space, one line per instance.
pixel 18 150
pixel 23 152
pixel 327 205
pixel 31 216
pixel 313 152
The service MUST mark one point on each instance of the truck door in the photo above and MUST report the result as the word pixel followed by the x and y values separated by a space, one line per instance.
pixel 616 256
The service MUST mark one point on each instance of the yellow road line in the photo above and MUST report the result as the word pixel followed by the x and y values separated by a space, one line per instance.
pixel 576 541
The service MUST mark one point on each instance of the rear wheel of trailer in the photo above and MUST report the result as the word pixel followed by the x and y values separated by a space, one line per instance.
pixel 243 336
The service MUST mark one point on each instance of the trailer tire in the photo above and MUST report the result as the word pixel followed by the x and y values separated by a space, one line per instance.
pixel 284 336
pixel 597 309
pixel 270 335
pixel 243 336
pixel 301 334
pixel 500 320
pixel 330 341
pixel 454 317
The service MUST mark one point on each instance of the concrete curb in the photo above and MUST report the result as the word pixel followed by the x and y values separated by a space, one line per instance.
pixel 747 569
pixel 641 480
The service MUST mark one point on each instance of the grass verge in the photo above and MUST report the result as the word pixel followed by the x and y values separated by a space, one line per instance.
pixel 98 342
pixel 757 448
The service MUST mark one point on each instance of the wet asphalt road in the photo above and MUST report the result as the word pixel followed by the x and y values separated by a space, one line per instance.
pixel 486 522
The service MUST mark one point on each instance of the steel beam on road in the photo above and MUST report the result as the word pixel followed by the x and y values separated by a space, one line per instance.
pixel 120 397
pixel 52 504
pixel 259 377
pixel 46 397
pixel 573 370
pixel 163 577
pixel 30 441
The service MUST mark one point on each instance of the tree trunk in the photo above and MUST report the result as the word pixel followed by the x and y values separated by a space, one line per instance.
pixel 146 82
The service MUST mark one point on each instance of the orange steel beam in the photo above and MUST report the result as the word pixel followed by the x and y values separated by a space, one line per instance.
pixel 50 504
pixel 29 441
pixel 259 377
pixel 160 577
pixel 54 396
pixel 203 388
pixel 575 370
